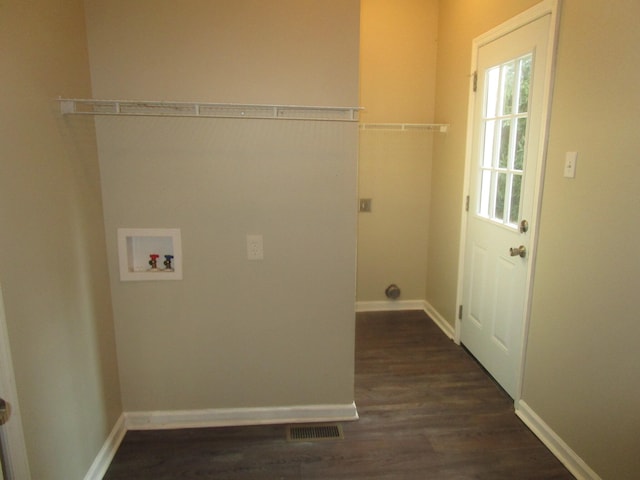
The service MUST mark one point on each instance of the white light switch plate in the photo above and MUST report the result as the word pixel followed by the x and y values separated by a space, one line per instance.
pixel 570 161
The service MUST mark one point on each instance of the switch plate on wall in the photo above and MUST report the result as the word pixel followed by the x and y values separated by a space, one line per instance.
pixel 570 161
pixel 255 250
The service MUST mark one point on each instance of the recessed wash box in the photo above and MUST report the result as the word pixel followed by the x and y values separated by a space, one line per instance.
pixel 136 247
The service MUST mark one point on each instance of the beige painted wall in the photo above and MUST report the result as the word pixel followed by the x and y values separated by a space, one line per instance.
pixel 397 85
pixel 52 248
pixel 233 333
pixel 460 21
pixel 582 369
pixel 398 43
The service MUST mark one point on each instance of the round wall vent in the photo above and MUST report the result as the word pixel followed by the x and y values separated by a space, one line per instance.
pixel 392 291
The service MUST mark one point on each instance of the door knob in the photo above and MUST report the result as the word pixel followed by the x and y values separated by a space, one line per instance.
pixel 520 251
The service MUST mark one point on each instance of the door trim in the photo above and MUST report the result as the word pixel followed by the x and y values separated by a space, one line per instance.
pixel 546 7
pixel 16 461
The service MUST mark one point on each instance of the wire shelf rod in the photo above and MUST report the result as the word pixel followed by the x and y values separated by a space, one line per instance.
pixel 70 106
pixel 429 127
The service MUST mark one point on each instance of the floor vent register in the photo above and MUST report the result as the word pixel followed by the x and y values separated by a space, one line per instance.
pixel 305 433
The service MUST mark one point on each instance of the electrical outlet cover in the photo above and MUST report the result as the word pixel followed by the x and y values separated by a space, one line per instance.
pixel 255 250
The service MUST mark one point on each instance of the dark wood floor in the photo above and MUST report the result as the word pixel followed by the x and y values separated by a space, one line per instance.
pixel 427 411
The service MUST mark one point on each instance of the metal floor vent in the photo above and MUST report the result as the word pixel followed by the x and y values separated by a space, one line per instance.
pixel 302 433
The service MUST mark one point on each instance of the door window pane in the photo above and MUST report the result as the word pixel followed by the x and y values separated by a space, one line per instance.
pixel 489 138
pixel 505 137
pixel 500 196
pixel 491 99
pixel 485 193
pixel 521 131
pixel 516 189
pixel 525 80
pixel 508 80
pixel 503 159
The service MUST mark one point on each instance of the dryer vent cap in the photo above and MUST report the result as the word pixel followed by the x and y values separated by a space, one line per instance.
pixel 392 291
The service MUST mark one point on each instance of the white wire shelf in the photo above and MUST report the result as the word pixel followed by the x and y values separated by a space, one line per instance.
pixel 69 106
pixel 426 127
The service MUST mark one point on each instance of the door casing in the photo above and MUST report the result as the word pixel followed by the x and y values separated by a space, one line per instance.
pixel 546 7
pixel 11 433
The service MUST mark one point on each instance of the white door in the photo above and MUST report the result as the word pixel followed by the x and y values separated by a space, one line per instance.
pixel 508 121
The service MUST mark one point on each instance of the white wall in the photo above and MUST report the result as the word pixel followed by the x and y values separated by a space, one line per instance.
pixel 233 333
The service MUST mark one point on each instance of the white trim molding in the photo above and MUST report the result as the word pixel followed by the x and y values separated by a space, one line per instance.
pixel 221 417
pixel 397 305
pixel 440 321
pixel 553 442
pixel 389 305
pixel 224 417
pixel 108 451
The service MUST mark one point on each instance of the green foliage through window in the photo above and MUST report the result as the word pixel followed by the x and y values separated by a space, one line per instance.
pixel 506 113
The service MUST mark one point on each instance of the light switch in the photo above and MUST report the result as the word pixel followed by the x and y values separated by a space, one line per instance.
pixel 570 161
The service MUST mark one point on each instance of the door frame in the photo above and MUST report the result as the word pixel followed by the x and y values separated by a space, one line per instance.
pixel 11 433
pixel 546 7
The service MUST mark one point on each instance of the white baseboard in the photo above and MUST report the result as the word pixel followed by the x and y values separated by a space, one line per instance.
pixel 107 452
pixel 389 305
pixel 439 320
pixel 395 305
pixel 161 420
pixel 221 417
pixel 558 447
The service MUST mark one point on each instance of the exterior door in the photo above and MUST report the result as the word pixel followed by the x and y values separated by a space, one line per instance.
pixel 508 123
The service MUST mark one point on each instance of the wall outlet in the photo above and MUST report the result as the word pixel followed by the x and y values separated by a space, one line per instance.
pixel 364 205
pixel 255 250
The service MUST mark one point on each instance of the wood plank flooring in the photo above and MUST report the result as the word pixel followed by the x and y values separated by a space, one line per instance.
pixel 427 411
